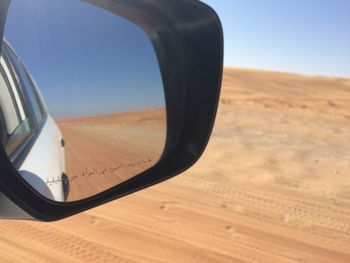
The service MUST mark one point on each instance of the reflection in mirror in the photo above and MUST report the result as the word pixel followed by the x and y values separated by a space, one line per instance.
pixel 95 115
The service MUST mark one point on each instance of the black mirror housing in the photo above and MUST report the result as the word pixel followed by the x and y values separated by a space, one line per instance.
pixel 188 39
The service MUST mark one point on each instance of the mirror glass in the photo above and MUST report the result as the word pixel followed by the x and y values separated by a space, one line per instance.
pixel 82 105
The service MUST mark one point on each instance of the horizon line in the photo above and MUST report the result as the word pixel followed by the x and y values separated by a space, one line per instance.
pixel 289 72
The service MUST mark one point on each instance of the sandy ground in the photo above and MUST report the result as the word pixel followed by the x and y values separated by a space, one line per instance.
pixel 273 186
pixel 104 151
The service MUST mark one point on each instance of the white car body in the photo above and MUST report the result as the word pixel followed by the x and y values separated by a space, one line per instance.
pixel 43 164
pixel 46 160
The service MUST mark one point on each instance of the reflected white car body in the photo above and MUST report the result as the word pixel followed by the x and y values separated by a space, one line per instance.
pixel 46 160
pixel 43 166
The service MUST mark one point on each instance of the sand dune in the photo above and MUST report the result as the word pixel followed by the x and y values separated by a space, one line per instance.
pixel 273 186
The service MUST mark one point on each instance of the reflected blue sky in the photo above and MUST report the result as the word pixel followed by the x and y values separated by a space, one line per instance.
pixel 84 59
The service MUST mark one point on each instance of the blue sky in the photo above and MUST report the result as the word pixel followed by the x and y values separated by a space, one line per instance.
pixel 84 60
pixel 306 36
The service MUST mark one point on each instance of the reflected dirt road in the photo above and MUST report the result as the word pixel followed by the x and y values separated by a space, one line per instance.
pixel 104 151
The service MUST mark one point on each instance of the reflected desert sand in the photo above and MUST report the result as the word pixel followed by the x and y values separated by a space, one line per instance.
pixel 273 186
pixel 104 151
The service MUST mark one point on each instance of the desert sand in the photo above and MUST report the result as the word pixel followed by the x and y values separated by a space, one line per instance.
pixel 272 186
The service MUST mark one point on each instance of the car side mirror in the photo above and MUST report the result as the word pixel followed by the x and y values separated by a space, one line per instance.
pixel 102 98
